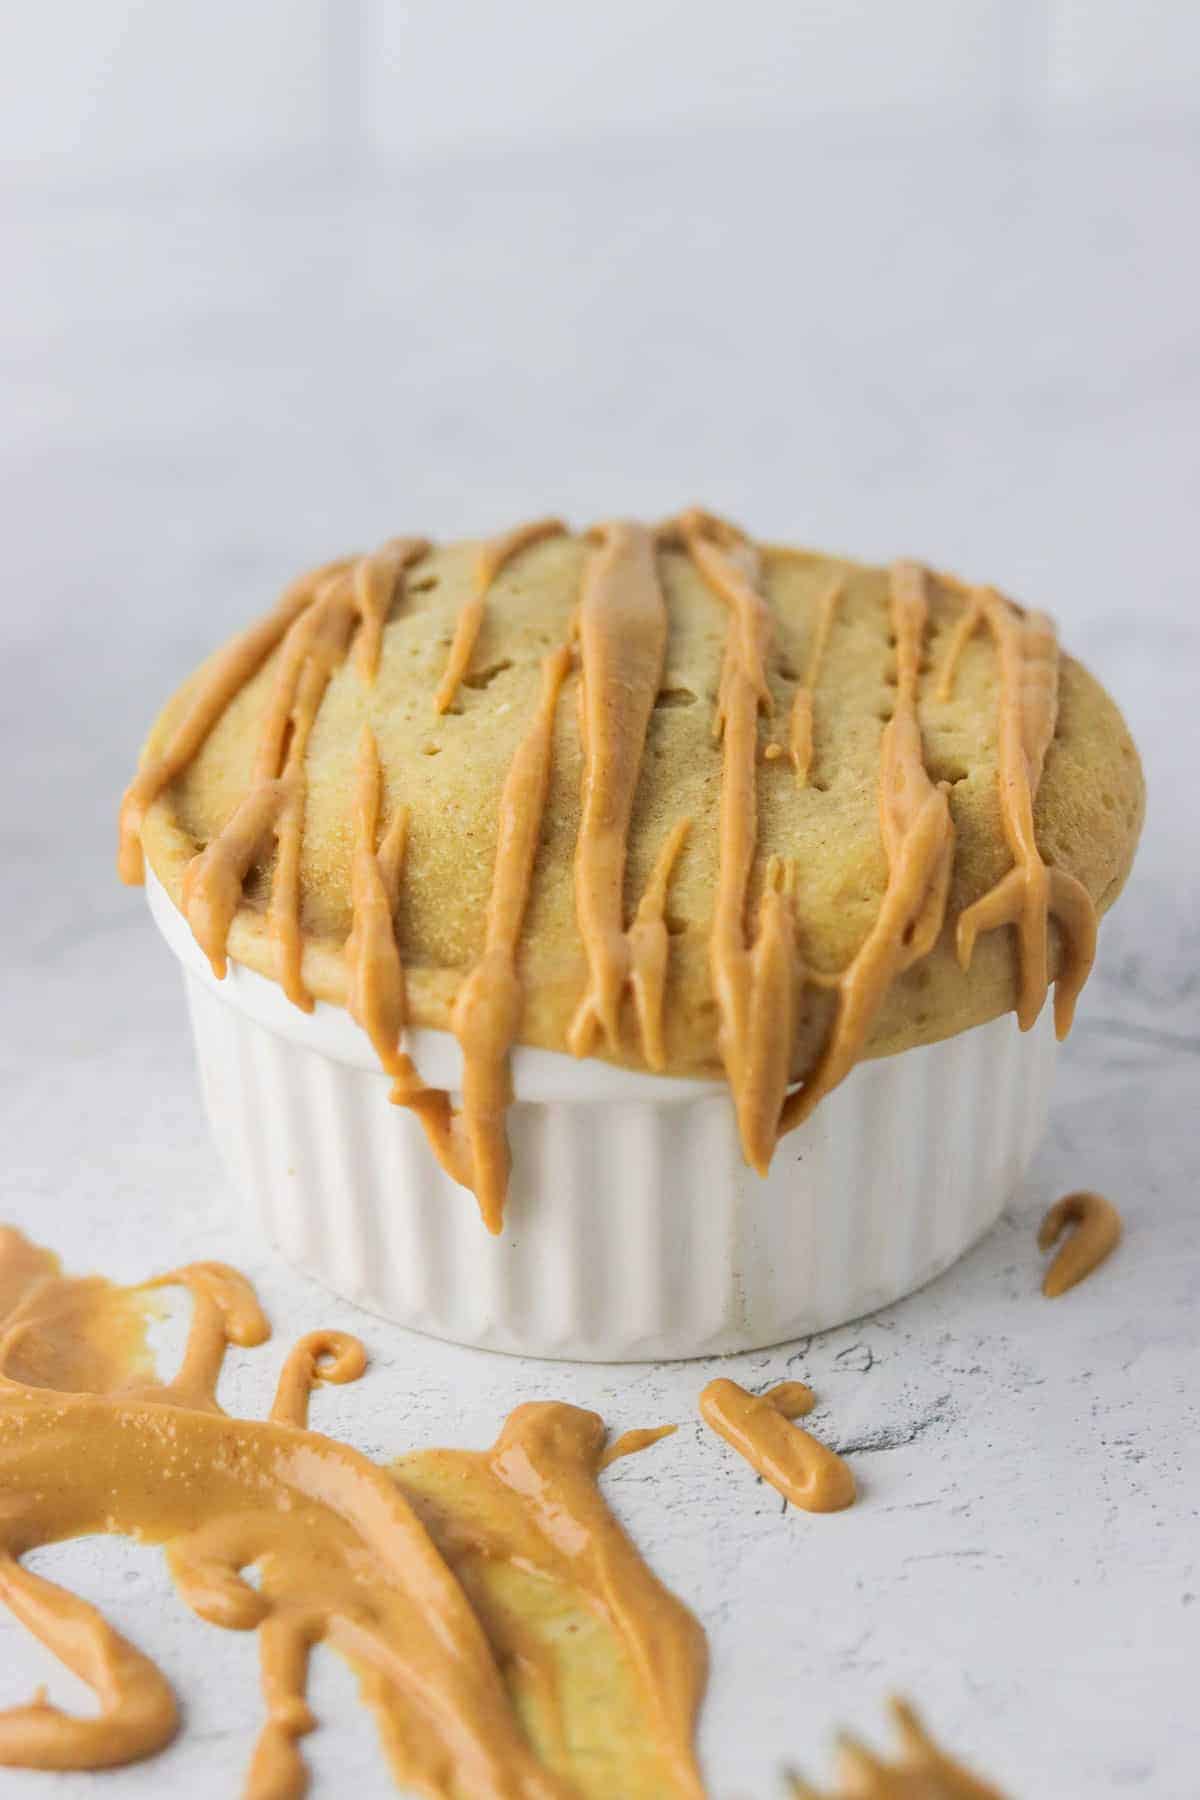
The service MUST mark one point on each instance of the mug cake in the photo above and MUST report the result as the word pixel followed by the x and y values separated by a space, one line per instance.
pixel 693 903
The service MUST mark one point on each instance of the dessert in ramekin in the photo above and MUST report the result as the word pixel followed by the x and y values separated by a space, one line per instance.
pixel 672 892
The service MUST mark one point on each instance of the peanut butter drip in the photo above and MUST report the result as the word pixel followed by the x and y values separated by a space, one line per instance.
pixel 797 1465
pixel 375 993
pixel 622 625
pixel 964 630
pixel 471 1145
pixel 800 726
pixel 1032 893
pixel 1095 1228
pixel 487 1009
pixel 491 558
pixel 923 1771
pixel 649 947
pixel 918 840
pixel 378 580
pixel 223 679
pixel 756 983
pixel 427 1580
pixel 314 646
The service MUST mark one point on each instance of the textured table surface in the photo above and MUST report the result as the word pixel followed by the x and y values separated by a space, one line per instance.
pixel 984 353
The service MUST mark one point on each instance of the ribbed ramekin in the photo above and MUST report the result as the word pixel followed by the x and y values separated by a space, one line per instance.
pixel 634 1228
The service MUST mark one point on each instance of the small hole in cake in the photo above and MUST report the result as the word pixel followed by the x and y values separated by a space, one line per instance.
pixel 884 715
pixel 819 787
pixel 426 584
pixel 892 679
pixel 483 678
pixel 788 670
pixel 675 696
pixel 674 924
pixel 431 749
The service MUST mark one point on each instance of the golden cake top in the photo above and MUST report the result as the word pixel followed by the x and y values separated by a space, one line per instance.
pixel 662 795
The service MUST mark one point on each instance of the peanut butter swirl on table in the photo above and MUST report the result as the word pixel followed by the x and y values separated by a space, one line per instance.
pixel 1094 1229
pixel 505 1633
pixel 716 904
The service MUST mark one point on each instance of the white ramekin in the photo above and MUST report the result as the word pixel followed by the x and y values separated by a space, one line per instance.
pixel 634 1229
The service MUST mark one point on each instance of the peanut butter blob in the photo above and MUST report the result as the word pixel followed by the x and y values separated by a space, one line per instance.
pixel 662 795
pixel 760 1427
pixel 505 1632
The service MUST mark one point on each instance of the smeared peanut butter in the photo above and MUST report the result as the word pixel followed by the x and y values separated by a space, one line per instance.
pixel 1094 1227
pixel 759 977
pixel 505 1633
pixel 923 1771
pixel 759 1426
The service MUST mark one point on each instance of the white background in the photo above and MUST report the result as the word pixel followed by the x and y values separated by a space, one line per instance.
pixel 106 85
pixel 282 278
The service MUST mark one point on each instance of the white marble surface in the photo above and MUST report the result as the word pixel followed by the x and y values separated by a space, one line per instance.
pixel 984 352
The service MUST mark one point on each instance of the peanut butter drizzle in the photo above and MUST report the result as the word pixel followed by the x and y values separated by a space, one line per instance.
pixel 924 1771
pixel 471 1145
pixel 313 648
pixel 649 948
pixel 755 984
pixel 918 838
pixel 967 624
pixel 758 974
pixel 797 1465
pixel 1095 1231
pixel 622 627
pixel 800 725
pixel 232 667
pixel 375 993
pixel 1032 893
pixel 487 1008
pixel 89 1443
pixel 491 558
pixel 378 581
